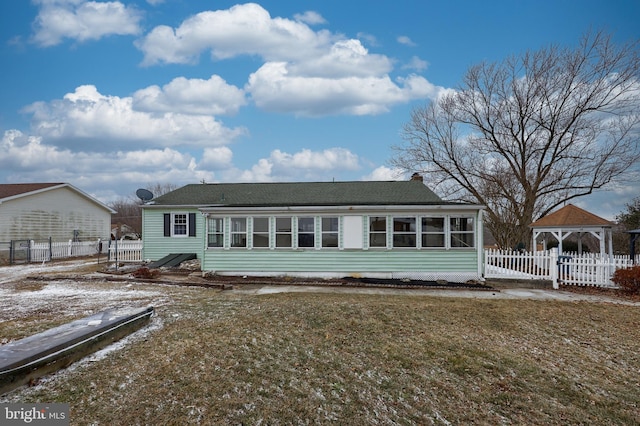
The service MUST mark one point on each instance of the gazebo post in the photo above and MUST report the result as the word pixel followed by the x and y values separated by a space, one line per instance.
pixel 579 242
pixel 633 236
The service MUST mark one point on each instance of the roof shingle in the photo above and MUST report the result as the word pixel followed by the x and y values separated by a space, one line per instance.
pixel 301 194
pixel 13 189
pixel 570 215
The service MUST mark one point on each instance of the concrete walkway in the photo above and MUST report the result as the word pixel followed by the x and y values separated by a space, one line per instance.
pixel 514 293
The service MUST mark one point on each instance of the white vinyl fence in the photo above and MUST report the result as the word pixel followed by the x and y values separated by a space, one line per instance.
pixel 48 250
pixel 585 269
pixel 517 265
pixel 125 251
pixel 117 250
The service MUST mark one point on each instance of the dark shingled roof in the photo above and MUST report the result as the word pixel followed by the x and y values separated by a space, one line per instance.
pixel 300 194
pixel 12 189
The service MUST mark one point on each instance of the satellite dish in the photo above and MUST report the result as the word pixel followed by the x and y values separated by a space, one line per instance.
pixel 144 194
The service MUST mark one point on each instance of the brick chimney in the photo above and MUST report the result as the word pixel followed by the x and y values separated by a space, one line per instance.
pixel 417 176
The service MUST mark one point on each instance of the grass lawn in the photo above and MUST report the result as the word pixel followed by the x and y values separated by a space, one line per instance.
pixel 216 357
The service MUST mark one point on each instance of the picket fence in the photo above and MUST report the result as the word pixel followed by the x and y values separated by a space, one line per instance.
pixel 48 250
pixel 116 250
pixel 568 268
pixel 125 251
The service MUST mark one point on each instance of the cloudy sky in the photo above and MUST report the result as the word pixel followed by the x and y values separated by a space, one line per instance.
pixel 112 96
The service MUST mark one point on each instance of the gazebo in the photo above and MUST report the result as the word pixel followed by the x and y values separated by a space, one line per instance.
pixel 573 220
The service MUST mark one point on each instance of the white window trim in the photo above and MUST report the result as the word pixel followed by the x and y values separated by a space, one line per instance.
pixel 173 225
pixel 206 242
pixel 472 232
pixel 417 221
pixel 251 245
pixel 292 233
pixel 232 233
pixel 298 233
pixel 387 236
pixel 322 233
pixel 421 232
pixel 318 233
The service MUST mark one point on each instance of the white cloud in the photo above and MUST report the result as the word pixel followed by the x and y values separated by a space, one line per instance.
pixel 385 173
pixel 344 58
pixel 217 158
pixel 305 164
pixel 25 158
pixel 83 20
pixel 307 159
pixel 274 89
pixel 369 38
pixel 88 120
pixel 191 96
pixel 310 17
pixel 416 64
pixel 260 172
pixel 22 152
pixel 117 173
pixel 246 29
pixel 405 40
pixel 305 72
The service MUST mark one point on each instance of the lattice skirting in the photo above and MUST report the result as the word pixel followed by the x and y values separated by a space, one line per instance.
pixel 454 277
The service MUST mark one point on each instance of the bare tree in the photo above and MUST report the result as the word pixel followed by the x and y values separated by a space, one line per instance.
pixel 159 189
pixel 128 214
pixel 128 217
pixel 530 133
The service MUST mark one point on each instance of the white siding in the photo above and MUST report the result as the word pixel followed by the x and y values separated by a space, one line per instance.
pixel 55 213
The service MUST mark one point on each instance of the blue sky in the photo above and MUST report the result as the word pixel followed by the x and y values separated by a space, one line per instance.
pixel 114 96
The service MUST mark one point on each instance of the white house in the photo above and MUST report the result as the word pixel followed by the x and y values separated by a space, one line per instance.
pixel 57 210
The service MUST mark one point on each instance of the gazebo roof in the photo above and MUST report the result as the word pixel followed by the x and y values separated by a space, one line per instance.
pixel 571 216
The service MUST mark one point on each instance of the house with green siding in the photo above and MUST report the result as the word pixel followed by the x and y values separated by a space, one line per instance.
pixel 377 229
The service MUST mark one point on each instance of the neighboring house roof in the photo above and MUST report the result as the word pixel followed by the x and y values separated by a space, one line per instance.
pixel 300 194
pixel 570 216
pixel 11 191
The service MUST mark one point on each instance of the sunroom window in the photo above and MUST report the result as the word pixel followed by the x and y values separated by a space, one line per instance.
pixel 238 232
pixel 378 231
pixel 404 232
pixel 306 232
pixel 283 232
pixel 433 232
pixel 462 232
pixel 330 232
pixel 215 237
pixel 261 232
